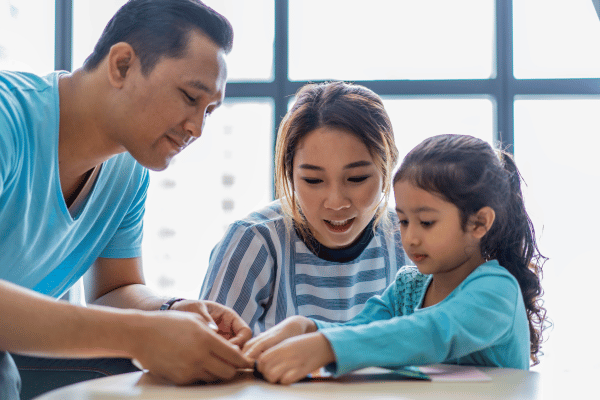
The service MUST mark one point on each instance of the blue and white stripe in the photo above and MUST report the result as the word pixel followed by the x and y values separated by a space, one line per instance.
pixel 265 272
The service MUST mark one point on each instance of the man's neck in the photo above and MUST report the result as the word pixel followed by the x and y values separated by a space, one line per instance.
pixel 82 144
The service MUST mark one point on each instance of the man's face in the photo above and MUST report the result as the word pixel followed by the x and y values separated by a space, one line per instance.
pixel 165 110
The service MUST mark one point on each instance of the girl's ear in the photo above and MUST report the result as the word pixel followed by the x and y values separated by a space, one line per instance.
pixel 482 221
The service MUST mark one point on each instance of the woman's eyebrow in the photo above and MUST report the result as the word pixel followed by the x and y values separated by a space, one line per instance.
pixel 358 164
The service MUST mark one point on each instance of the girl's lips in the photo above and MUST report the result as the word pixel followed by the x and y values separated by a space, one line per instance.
pixel 339 228
pixel 419 257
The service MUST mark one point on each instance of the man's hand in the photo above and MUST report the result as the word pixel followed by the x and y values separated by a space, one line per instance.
pixel 181 347
pixel 295 358
pixel 230 325
pixel 290 327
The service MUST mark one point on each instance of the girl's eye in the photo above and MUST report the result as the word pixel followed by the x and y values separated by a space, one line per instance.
pixel 427 224
pixel 358 179
pixel 403 222
pixel 312 181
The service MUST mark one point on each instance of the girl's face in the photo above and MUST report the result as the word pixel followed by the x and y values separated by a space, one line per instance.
pixel 337 184
pixel 432 235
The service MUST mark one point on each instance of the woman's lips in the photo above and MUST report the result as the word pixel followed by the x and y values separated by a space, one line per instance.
pixel 339 226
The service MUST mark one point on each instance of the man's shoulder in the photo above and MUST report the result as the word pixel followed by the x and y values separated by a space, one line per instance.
pixel 11 81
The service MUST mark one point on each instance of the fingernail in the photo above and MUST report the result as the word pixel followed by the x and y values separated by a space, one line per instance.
pixel 213 326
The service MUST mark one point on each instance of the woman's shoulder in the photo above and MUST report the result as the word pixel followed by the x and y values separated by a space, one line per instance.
pixel 266 221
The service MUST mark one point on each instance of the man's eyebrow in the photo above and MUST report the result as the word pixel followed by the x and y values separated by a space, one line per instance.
pixel 349 166
pixel 200 86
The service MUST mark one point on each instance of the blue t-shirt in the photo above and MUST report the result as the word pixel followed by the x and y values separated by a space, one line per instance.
pixel 482 322
pixel 43 247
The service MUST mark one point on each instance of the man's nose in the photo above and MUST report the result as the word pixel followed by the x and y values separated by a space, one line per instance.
pixel 195 124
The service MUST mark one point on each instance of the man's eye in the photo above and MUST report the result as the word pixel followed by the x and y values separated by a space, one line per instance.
pixel 189 98
pixel 312 181
pixel 358 179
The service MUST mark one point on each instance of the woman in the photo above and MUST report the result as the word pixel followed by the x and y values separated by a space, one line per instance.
pixel 329 242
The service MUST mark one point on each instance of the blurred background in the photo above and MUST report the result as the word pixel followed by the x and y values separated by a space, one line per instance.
pixel 523 75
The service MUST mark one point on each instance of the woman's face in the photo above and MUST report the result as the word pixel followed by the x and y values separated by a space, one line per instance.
pixel 337 185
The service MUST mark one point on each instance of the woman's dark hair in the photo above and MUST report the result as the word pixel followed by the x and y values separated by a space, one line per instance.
pixel 157 28
pixel 470 174
pixel 349 107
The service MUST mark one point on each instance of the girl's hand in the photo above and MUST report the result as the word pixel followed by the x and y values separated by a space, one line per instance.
pixel 294 358
pixel 290 327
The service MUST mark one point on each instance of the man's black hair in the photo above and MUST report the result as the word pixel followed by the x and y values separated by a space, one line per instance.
pixel 160 28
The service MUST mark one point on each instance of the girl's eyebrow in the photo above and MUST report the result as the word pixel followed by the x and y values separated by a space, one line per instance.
pixel 349 166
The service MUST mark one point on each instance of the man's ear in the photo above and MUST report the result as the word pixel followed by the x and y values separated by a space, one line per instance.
pixel 120 60
pixel 482 221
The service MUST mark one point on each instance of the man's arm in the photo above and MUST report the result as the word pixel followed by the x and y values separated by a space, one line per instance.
pixel 119 282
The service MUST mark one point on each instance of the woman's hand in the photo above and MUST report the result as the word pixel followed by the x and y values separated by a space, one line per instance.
pixel 290 327
pixel 295 358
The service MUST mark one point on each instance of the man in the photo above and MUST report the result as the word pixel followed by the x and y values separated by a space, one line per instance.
pixel 74 153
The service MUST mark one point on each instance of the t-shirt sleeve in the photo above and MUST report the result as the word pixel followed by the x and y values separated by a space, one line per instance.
pixel 8 146
pixel 241 273
pixel 477 317
pixel 127 240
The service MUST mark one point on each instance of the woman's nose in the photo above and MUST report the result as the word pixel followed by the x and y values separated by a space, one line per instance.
pixel 337 199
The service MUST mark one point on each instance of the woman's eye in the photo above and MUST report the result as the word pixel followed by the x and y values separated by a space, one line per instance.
pixel 358 179
pixel 403 222
pixel 312 181
pixel 427 224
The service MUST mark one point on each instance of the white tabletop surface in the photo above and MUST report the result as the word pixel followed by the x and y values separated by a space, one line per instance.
pixel 504 384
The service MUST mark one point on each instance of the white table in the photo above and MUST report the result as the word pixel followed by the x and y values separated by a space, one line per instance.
pixel 505 384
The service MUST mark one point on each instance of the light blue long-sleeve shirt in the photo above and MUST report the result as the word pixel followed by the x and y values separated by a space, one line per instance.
pixel 482 322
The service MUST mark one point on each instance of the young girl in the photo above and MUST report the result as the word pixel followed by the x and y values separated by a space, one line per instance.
pixel 330 242
pixel 474 295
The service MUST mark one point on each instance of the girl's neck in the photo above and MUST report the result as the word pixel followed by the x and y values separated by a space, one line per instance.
pixel 443 283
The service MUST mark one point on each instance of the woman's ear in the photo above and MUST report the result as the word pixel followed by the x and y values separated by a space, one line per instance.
pixel 120 58
pixel 482 221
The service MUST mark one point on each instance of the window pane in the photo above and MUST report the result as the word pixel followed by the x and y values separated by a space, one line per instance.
pixel 222 177
pixel 416 118
pixel 27 35
pixel 556 39
pixel 254 33
pixel 391 39
pixel 556 146
pixel 89 20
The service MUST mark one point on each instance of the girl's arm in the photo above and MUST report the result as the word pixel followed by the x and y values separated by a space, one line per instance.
pixel 477 317
pixel 240 273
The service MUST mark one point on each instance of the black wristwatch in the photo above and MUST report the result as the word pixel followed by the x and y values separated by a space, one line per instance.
pixel 169 303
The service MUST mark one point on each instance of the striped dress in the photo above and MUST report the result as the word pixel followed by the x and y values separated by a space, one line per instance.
pixel 265 272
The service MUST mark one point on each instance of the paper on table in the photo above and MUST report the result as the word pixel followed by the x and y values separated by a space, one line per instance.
pixel 453 373
pixel 433 372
